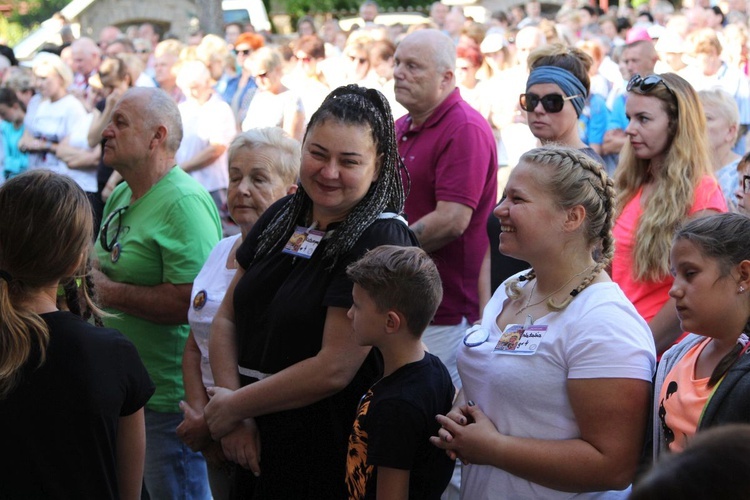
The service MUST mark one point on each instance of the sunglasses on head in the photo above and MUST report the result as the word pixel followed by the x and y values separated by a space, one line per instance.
pixel 646 85
pixel 552 103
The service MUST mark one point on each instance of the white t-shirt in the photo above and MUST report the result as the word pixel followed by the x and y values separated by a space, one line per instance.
pixel 598 335
pixel 54 121
pixel 269 110
pixel 203 125
pixel 79 138
pixel 212 283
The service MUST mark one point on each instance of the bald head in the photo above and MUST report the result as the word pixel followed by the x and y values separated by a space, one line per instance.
pixel 436 45
pixel 86 55
pixel 639 58
pixel 157 108
pixel 424 72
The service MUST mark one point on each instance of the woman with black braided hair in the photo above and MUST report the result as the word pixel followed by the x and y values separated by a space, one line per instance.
pixel 557 378
pixel 287 412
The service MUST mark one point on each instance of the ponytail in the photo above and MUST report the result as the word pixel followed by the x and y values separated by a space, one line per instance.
pixel 728 361
pixel 23 335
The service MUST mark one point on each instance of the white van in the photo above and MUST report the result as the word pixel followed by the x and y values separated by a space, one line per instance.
pixel 246 11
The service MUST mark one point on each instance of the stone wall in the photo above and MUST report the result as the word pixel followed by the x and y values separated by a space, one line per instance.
pixel 172 15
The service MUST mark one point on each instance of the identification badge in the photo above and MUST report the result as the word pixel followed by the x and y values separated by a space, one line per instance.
pixel 200 300
pixel 303 242
pixel 520 340
pixel 114 256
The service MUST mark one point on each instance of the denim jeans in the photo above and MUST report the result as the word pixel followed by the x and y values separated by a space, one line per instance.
pixel 173 471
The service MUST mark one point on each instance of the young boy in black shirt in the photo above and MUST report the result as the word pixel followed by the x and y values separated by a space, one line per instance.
pixel 396 293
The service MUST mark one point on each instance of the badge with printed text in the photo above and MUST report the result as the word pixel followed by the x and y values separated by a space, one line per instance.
pixel 115 254
pixel 520 341
pixel 200 300
pixel 303 242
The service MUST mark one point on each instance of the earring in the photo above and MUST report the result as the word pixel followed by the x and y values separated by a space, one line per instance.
pixel 741 289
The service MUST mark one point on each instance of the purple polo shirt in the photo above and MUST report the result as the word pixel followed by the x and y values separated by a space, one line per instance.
pixel 452 157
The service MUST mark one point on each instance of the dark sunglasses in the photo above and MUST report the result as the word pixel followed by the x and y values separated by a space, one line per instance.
pixel 552 103
pixel 111 229
pixel 746 183
pixel 646 85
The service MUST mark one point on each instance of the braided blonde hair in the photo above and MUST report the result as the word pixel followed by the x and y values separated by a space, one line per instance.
pixel 572 179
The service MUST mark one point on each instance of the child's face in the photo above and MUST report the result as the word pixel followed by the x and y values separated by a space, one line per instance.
pixel 743 197
pixel 368 323
pixel 706 299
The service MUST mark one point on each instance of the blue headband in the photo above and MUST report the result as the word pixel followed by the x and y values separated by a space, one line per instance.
pixel 562 78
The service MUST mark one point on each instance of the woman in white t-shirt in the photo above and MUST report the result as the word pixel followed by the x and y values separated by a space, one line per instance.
pixel 557 378
pixel 56 117
pixel 274 105
pixel 263 167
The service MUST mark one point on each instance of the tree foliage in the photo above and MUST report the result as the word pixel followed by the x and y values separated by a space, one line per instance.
pixel 299 8
pixel 32 12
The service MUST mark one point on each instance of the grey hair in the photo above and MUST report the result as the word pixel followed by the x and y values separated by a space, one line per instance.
pixel 160 109
pixel 287 150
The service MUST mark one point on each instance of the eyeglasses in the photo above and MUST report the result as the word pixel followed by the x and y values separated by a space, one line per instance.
pixel 552 103
pixel 111 229
pixel 647 84
pixel 746 183
pixel 245 52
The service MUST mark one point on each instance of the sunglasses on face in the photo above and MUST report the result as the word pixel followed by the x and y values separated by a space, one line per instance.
pixel 646 85
pixel 552 103
pixel 111 229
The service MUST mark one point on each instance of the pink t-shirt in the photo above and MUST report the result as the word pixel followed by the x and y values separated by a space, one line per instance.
pixel 648 297
pixel 683 398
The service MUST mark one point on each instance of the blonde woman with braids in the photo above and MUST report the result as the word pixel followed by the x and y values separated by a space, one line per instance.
pixel 557 378
pixel 287 414
pixel 664 176
pixel 71 394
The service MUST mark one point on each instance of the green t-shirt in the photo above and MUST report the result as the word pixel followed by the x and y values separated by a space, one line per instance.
pixel 166 237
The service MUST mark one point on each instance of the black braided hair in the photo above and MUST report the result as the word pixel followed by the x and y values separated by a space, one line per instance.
pixel 349 105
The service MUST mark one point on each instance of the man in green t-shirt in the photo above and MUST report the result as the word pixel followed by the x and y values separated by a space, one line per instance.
pixel 159 227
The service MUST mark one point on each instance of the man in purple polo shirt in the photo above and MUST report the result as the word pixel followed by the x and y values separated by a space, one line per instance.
pixel 450 153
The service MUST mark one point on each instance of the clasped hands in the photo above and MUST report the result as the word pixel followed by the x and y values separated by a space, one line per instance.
pixel 464 434
pixel 239 437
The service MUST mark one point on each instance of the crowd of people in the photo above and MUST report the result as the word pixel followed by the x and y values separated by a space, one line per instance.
pixel 464 260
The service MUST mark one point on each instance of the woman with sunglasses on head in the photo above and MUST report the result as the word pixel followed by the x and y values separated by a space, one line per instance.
pixel 556 93
pixel 274 105
pixel 286 413
pixel 663 177
pixel 557 377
